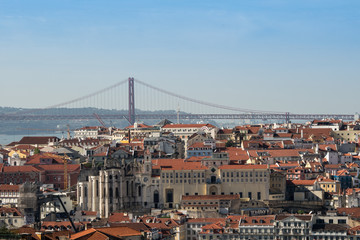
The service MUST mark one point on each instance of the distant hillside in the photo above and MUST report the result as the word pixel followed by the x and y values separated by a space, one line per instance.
pixel 27 127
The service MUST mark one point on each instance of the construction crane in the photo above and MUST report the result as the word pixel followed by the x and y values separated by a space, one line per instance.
pixel 99 119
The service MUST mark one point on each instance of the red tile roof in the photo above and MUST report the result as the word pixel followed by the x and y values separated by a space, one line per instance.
pixel 237 154
pixel 119 217
pixel 352 212
pixel 326 147
pixel 20 169
pixel 8 187
pixel 98 236
pixel 343 172
pixel 60 167
pixel 199 145
pixel 36 159
pixel 14 211
pixel 119 231
pixel 225 131
pixel 280 152
pixel 89 213
pixel 257 220
pixel 83 233
pixel 23 147
pixel 325 180
pixel 302 182
pixel 176 164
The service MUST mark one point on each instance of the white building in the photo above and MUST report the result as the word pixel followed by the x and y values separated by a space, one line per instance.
pixel 55 206
pixel 9 194
pixel 11 218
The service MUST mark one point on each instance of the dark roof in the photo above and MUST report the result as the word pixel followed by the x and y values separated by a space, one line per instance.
pixel 298 216
pixel 164 122
pixel 38 140
pixel 331 227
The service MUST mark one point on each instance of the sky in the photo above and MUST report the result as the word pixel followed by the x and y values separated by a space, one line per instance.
pixel 272 55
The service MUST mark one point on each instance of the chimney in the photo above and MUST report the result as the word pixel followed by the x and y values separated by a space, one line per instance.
pixel 302 133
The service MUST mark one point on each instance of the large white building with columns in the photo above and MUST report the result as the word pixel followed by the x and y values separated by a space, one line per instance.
pixel 119 185
pixel 160 183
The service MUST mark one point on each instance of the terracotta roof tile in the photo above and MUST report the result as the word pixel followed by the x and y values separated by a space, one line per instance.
pixel 301 182
pixel 8 187
pixel 20 169
pixel 119 231
pixel 98 236
pixel 82 233
pixel 118 217
pixel 257 220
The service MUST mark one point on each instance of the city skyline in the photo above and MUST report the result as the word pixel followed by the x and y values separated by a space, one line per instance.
pixel 265 55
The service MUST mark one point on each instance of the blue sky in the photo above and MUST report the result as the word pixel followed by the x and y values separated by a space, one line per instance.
pixel 296 56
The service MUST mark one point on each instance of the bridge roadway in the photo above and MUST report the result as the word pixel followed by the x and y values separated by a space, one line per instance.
pixel 261 116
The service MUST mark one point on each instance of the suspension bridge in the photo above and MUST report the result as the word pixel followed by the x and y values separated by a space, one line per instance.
pixel 119 101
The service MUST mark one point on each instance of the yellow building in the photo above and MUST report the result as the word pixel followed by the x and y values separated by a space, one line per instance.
pixel 180 177
pixel 21 154
pixel 350 134
pixel 329 185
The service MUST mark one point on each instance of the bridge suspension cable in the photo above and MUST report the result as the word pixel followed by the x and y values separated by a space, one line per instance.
pixel 88 95
pixel 203 102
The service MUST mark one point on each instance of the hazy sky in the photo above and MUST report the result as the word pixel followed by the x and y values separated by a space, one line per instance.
pixel 298 56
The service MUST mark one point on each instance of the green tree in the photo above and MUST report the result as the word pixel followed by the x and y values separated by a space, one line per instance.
pixel 36 151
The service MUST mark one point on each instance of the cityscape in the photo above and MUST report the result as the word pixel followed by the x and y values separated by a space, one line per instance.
pixel 179 120
pixel 185 181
